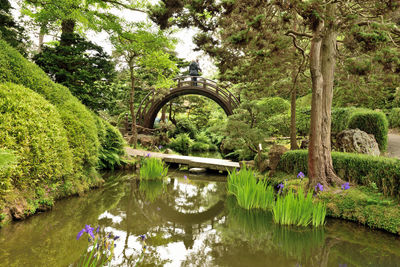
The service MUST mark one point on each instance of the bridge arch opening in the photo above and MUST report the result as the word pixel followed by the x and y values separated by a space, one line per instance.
pixel 151 106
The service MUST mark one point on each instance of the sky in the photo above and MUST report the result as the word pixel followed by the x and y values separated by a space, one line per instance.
pixel 185 46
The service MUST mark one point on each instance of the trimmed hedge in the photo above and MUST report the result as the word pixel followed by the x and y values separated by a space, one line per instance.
pixel 33 128
pixel 83 131
pixel 369 121
pixel 357 168
pixel 372 122
pixel 394 118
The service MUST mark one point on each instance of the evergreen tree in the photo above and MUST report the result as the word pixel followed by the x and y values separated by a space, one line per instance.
pixel 78 66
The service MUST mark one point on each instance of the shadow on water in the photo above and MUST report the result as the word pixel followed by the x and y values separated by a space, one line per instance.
pixel 187 222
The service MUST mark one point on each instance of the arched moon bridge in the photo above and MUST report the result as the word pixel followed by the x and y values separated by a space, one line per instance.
pixel 153 103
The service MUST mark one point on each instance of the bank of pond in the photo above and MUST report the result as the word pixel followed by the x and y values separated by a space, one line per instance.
pixel 187 220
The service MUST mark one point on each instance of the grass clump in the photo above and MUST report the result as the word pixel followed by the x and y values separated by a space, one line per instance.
pixel 250 193
pixel 153 168
pixel 298 209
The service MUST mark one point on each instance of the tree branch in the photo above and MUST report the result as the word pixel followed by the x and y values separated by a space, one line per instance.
pixel 298 34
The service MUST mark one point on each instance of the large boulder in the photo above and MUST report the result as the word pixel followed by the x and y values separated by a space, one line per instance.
pixel 274 155
pixel 357 141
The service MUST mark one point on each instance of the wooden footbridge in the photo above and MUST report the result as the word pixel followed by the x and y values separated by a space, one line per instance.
pixel 192 162
pixel 153 102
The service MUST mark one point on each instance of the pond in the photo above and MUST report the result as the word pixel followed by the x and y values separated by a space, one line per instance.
pixel 187 222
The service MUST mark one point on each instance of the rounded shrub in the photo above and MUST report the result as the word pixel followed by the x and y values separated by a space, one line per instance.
pixel 271 106
pixel 372 122
pixel 181 143
pixel 78 121
pixel 34 130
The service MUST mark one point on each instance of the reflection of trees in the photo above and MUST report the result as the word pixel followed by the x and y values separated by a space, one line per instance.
pixel 151 209
pixel 49 239
pixel 229 235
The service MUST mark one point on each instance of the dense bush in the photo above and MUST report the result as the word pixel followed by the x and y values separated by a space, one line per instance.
pixel 357 168
pixel 372 122
pixel 181 143
pixel 111 145
pixel 35 131
pixel 184 125
pixel 271 106
pixel 78 121
pixel 394 118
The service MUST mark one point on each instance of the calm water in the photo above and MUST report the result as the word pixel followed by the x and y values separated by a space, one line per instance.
pixel 188 223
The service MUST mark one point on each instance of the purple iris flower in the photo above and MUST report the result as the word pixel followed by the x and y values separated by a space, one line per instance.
pixel 116 237
pixel 300 175
pixel 319 187
pixel 98 229
pixel 185 177
pixel 88 229
pixel 280 186
pixel 160 146
pixel 143 237
pixel 345 186
pixel 148 155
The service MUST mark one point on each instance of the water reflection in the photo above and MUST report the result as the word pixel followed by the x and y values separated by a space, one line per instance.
pixel 187 222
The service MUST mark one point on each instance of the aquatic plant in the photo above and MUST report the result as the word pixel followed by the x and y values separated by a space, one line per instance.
pixel 101 248
pixel 153 168
pixel 249 192
pixel 298 209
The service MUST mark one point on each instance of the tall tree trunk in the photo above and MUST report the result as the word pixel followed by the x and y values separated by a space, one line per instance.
pixel 163 114
pixel 322 67
pixel 67 28
pixel 133 140
pixel 293 131
pixel 41 38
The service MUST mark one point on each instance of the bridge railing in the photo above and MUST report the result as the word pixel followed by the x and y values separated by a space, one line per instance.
pixel 187 82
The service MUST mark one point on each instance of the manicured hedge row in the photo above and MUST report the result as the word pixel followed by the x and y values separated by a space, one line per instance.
pixel 34 130
pixel 372 122
pixel 394 118
pixel 369 121
pixel 80 124
pixel 357 168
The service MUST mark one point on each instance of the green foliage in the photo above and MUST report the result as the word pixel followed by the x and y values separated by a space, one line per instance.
pixel 10 31
pixel 111 145
pixel 250 193
pixel 40 142
pixel 153 168
pixel 357 168
pixel 185 126
pixel 77 64
pixel 253 121
pixel 7 158
pixel 394 118
pixel 372 122
pixel 364 205
pixel 181 143
pixel 78 122
pixel 298 209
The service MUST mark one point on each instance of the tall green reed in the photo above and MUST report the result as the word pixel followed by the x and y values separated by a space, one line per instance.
pixel 250 193
pixel 298 209
pixel 153 168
